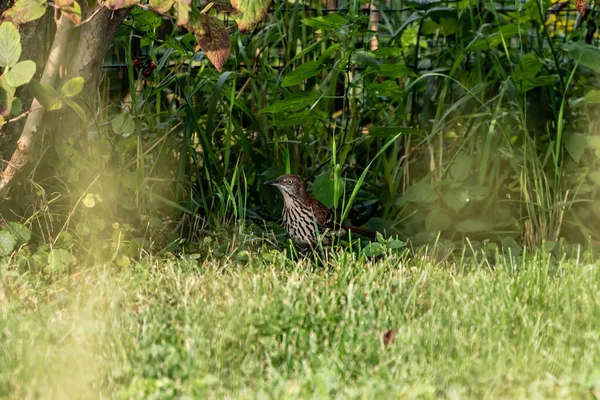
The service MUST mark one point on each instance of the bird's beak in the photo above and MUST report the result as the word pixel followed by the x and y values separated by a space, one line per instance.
pixel 269 183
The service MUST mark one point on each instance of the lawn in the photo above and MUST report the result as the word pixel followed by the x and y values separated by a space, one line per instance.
pixel 176 327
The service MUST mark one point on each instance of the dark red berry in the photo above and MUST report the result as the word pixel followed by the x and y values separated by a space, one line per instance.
pixel 146 73
pixel 137 63
pixel 152 65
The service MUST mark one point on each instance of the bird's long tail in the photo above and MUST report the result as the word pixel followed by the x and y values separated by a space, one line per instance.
pixel 361 231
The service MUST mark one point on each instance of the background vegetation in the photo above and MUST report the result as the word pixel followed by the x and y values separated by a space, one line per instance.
pixel 140 238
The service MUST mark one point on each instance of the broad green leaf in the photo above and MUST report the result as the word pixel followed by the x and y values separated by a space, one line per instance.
pixel 420 192
pixel 292 103
pixel 46 95
pixel 328 22
pixel 528 84
pixel 20 74
pixel 17 107
pixel 10 45
pixel 527 68
pixel 510 246
pixel 461 167
pixel 373 249
pixel 595 177
pixel 584 54
pixel 473 225
pixel 366 58
pixel 437 221
pixel 7 242
pixel 492 40
pixel 388 88
pixel 393 70
pixel 73 12
pixel 59 260
pixel 162 6
pixel 323 189
pixel 458 198
pixel 249 12
pixel 25 11
pixel 21 233
pixel 303 72
pixel 77 108
pixel 123 124
pixel 592 97
pixel 73 87
pixel 575 143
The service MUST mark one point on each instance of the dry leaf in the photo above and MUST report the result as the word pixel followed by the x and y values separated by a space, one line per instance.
pixel 389 336
pixel 212 37
pixel 581 6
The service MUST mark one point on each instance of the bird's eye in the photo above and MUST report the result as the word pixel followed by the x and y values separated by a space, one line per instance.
pixel 289 182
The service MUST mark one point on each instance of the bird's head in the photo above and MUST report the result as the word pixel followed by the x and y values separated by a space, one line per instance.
pixel 289 185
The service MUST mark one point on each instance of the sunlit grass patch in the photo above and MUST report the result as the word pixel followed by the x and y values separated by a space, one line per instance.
pixel 170 328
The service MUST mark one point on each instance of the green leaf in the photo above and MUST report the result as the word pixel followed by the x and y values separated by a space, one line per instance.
pixel 458 198
pixel 1 121
pixel 437 221
pixel 162 6
pixel 17 107
pixel 420 192
pixel 7 243
pixel 303 72
pixel 510 246
pixel 59 260
pixel 461 167
pixel 89 201
pixel 331 21
pixel 77 108
pixel 366 58
pixel 527 68
pixel 73 87
pixel 373 249
pixel 539 81
pixel 10 45
pixel 584 54
pixel 123 124
pixel 595 177
pixel 20 74
pixel 393 70
pixel 474 225
pixel 45 94
pixel 21 233
pixel 25 11
pixel 387 131
pixel 323 188
pixel 292 103
pixel 575 143
pixel 592 97
pixel 249 12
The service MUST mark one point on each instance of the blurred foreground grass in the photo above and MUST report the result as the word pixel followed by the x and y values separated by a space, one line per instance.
pixel 177 328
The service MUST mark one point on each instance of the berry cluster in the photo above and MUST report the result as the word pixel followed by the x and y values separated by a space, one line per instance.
pixel 147 66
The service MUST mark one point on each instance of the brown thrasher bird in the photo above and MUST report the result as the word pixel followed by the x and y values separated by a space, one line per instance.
pixel 304 217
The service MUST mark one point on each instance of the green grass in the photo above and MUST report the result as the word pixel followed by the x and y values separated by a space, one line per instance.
pixel 176 328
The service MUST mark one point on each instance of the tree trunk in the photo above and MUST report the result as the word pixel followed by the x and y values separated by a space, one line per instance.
pixel 94 38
